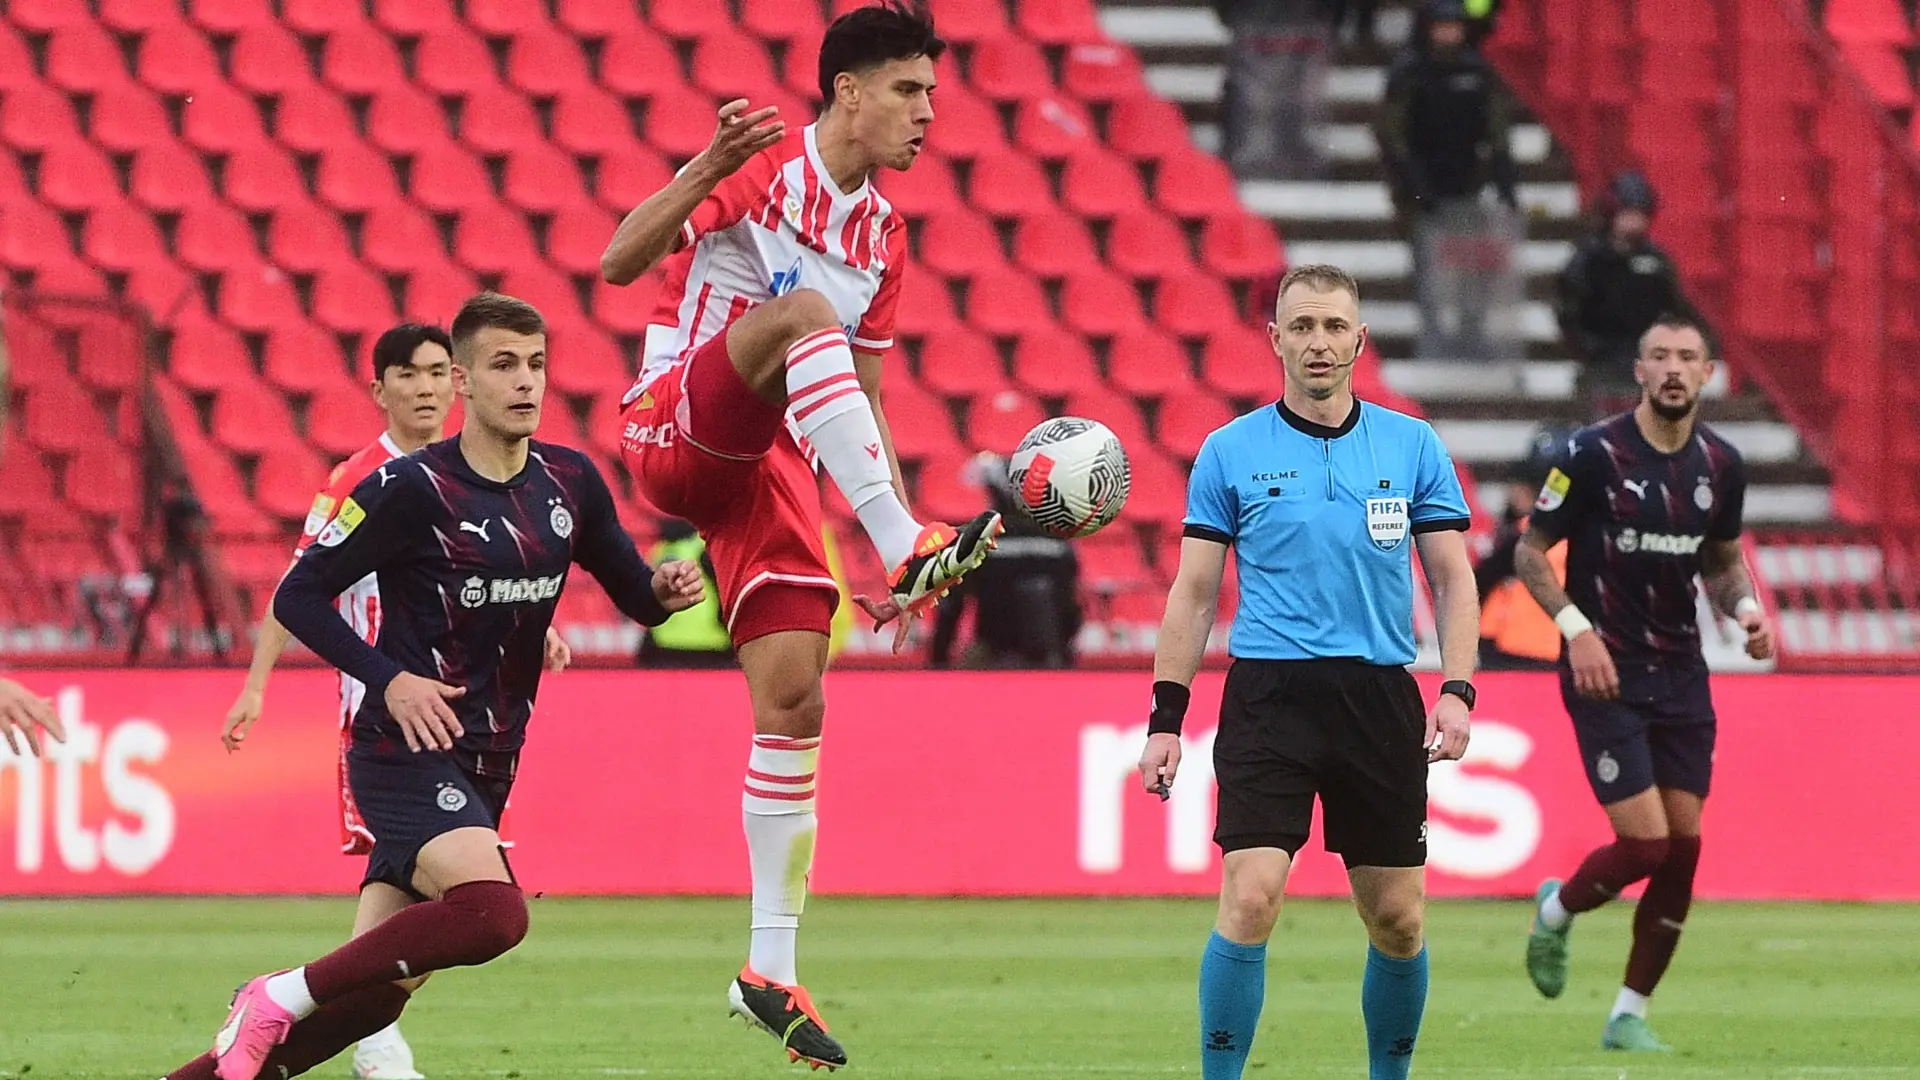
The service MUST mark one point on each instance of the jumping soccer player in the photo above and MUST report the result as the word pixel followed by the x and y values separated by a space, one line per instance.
pixel 1323 498
pixel 471 539
pixel 1645 501
pixel 765 352
pixel 413 386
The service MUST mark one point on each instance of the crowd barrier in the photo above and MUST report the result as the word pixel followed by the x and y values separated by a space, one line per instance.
pixel 931 784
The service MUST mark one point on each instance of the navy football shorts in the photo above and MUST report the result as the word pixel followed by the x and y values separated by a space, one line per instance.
pixel 1658 733
pixel 407 799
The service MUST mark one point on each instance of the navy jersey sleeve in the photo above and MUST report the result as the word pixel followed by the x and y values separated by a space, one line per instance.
pixel 607 552
pixel 1213 505
pixel 1439 503
pixel 373 526
pixel 1570 488
pixel 1726 522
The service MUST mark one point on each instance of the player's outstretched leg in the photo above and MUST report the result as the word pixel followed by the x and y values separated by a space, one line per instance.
pixel 318 1038
pixel 793 351
pixel 1393 992
pixel 784 670
pixel 1639 847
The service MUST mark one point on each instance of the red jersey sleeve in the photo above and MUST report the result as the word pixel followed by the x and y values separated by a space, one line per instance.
pixel 340 483
pixel 734 199
pixel 875 332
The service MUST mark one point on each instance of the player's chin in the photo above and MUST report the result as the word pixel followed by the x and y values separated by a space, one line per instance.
pixel 523 419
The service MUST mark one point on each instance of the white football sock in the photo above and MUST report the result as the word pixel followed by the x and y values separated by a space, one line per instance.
pixel 832 412
pixel 387 1038
pixel 778 813
pixel 1553 914
pixel 1629 1003
pixel 289 991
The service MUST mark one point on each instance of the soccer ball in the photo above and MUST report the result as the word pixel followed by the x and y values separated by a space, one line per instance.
pixel 1071 475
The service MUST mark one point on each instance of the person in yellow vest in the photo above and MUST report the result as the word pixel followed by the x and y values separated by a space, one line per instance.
pixel 1514 632
pixel 696 637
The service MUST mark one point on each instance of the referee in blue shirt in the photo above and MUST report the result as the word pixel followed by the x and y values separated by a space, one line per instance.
pixel 1322 497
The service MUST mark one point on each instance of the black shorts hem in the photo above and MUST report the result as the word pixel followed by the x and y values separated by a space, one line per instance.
pixel 1291 843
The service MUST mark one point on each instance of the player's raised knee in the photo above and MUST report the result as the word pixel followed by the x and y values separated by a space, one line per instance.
pixel 802 312
pixel 496 918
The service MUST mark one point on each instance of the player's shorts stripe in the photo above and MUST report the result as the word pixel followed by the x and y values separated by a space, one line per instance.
pixel 783 796
pixel 775 778
pixel 827 400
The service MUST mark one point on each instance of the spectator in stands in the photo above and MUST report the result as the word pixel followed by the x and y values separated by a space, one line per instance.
pixel 1514 632
pixel 1026 598
pixel 1275 90
pixel 1444 132
pixel 1615 286
pixel 696 637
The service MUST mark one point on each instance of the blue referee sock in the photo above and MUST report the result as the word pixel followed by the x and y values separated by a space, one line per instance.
pixel 1233 985
pixel 1393 995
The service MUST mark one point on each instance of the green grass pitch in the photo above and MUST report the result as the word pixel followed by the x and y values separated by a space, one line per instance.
pixel 945 990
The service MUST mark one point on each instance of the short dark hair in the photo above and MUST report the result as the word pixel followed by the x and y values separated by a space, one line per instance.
pixel 867 37
pixel 492 309
pixel 1320 277
pixel 397 346
pixel 1673 320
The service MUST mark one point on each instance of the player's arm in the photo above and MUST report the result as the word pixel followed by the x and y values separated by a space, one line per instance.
pixel 1568 493
pixel 1723 568
pixel 643 594
pixel 372 527
pixel 667 220
pixel 245 712
pixel 866 365
pixel 1440 518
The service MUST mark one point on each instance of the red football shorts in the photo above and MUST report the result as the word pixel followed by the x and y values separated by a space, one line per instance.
pixel 704 447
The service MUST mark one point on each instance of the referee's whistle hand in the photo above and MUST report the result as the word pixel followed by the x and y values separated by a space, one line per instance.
pixel 1594 675
pixel 1159 762
pixel 1448 729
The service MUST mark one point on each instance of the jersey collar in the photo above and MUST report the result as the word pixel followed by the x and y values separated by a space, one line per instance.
pixel 1319 431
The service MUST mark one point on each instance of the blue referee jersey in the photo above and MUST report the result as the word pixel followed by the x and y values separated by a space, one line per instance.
pixel 1320 520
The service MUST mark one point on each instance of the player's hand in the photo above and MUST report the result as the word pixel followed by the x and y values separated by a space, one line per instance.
pixel 558 654
pixel 1448 729
pixel 241 717
pixel 886 610
pixel 419 706
pixel 1594 675
pixel 1759 636
pixel 679 584
pixel 24 715
pixel 1158 764
pixel 742 134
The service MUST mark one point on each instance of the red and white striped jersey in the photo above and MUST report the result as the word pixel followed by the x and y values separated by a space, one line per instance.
pixel 360 604
pixel 776 225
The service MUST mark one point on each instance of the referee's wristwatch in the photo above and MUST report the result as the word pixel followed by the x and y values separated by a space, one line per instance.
pixel 1461 689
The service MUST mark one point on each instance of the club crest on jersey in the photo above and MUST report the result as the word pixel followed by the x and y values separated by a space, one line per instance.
pixel 1703 494
pixel 561 520
pixel 1553 493
pixel 785 281
pixel 342 525
pixel 451 799
pixel 473 593
pixel 1387 522
pixel 318 516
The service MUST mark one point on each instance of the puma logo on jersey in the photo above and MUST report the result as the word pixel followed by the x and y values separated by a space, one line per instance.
pixel 479 530
pixel 1639 487
pixel 384 476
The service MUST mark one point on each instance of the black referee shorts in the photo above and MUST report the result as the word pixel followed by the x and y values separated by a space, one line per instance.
pixel 1351 733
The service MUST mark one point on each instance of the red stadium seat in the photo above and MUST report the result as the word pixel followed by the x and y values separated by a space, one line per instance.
pixel 341 419
pixel 595 20
pixel 1058 22
pixel 1147 245
pixel 965 126
pixel 493 240
pixel 453 61
pixel 1149 363
pixel 545 62
pixel 1118 411
pixel 1112 562
pixel 921 425
pixel 1187 420
pixel 312 122
pixel 999 422
pixel 639 63
pixel 625 178
pixel 262 178
pixel 922 191
pixel 448 180
pixel 507 18
pixel 497 121
pixel 122 236
pixel 577 236
pixel 1884 69
pixel 258 298
pixel 168 293
pixel 1102 72
pixel 1781 71
pixel 800 70
pixel 112 487
pixel 13 186
pixel 204 355
pixel 626 309
pixel 60 416
pixel 249 415
pixel 177 61
pixel 269 60
pixel 926 307
pixel 730 64
pixel 1786 246
pixel 70 278
pixel 1008 69
pixel 113 358
pixel 398 237
pixel 1053 128
pixel 306 238
pixel 352 299
pixel 286 478
pixel 541 178
pixel 136 17
pixel 1147 127
pixel 960 244
pixel 969 23
pixel 588 120
pixel 1101 303
pixel 434 293
pixel 361 60
pixel 1241 247
pixel 1676 21
pixel 1239 362
pixel 1157 495
pixel 961 364
pixel 1007 305
pixel 221 120
pixel 412 18
pixel 1009 185
pixel 781 20
pixel 1100 185
pixel 1880 22
pixel 1193 306
pixel 75 177
pixel 1192 184
pixel 405 120
pixel 690 19
pixel 948 489
pixel 29 486
pixel 547 289
pixel 16 61
pixel 36 116
pixel 320 18
pixel 33 236
pixel 1051 362
pixel 1053 245
pixel 586 362
pixel 679 122
pixel 301 358
pixel 221 16
pixel 84 58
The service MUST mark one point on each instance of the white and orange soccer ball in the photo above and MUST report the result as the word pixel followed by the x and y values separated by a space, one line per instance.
pixel 1072 476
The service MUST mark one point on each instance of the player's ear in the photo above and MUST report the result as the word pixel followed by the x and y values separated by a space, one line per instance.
pixel 462 380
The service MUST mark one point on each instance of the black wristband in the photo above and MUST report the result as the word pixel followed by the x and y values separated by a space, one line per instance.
pixel 1169 707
